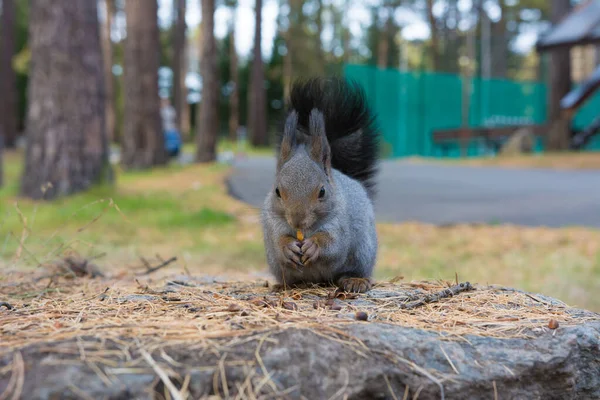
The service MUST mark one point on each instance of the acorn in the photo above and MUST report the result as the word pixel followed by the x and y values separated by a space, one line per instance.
pixel 234 307
pixel 362 316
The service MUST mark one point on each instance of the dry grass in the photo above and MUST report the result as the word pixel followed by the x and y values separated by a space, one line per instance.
pixel 563 263
pixel 560 161
pixel 51 307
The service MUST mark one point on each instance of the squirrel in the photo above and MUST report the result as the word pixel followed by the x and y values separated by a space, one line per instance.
pixel 318 220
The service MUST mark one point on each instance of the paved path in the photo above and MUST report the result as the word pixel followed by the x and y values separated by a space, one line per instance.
pixel 453 194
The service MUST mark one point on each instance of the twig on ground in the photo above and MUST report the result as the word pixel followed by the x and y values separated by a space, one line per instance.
pixel 24 232
pixel 17 379
pixel 7 305
pixel 435 297
pixel 154 269
pixel 82 267
pixel 146 263
pixel 97 256
pixel 177 395
pixel 387 382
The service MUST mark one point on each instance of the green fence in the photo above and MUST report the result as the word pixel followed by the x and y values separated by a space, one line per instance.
pixel 410 105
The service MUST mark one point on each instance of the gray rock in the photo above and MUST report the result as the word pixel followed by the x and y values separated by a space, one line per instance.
pixel 373 360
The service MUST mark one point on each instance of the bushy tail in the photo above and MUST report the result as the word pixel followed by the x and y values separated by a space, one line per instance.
pixel 350 126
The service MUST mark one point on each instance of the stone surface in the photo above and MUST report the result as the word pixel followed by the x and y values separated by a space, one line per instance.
pixel 304 364
pixel 357 360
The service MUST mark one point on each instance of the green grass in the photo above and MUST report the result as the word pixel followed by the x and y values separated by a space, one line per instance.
pixel 225 145
pixel 206 217
pixel 173 210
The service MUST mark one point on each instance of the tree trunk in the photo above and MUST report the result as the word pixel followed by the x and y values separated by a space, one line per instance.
pixel 179 65
pixel 257 106
pixel 560 84
pixel 433 45
pixel 234 99
pixel 117 80
pixel 287 66
pixel 385 38
pixel 207 129
pixel 450 46
pixel 143 141
pixel 320 51
pixel 383 46
pixel 107 53
pixel 1 161
pixel 186 129
pixel 500 43
pixel 345 37
pixel 67 149
pixel 8 79
pixel 291 37
pixel 467 82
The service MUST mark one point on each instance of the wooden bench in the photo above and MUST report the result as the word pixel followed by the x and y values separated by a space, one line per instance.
pixel 494 137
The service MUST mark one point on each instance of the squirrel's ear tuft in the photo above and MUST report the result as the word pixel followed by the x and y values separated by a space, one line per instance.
pixel 319 146
pixel 289 140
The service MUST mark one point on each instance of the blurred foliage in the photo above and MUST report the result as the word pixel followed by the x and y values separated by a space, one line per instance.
pixel 305 26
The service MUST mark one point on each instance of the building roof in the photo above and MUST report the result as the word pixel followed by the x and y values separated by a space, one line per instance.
pixel 581 26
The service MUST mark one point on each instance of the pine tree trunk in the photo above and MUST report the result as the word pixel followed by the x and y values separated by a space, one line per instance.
pixel 448 61
pixel 433 45
pixel 117 80
pixel 1 160
pixel 500 44
pixel 385 37
pixel 346 44
pixel 257 106
pixel 320 51
pixel 234 99
pixel 290 36
pixel 67 149
pixel 287 65
pixel 207 126
pixel 107 54
pixel 382 50
pixel 8 98
pixel 560 85
pixel 179 65
pixel 143 139
pixel 186 129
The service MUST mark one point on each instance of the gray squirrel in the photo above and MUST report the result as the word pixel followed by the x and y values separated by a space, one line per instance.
pixel 318 220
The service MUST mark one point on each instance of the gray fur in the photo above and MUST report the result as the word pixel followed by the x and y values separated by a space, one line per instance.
pixel 345 213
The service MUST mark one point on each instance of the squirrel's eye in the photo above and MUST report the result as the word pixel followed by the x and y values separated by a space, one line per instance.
pixel 277 192
pixel 322 193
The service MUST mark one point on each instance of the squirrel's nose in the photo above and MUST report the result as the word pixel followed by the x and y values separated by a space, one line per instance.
pixel 296 220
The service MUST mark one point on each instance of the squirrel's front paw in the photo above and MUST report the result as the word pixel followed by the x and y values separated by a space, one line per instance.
pixel 292 253
pixel 310 251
